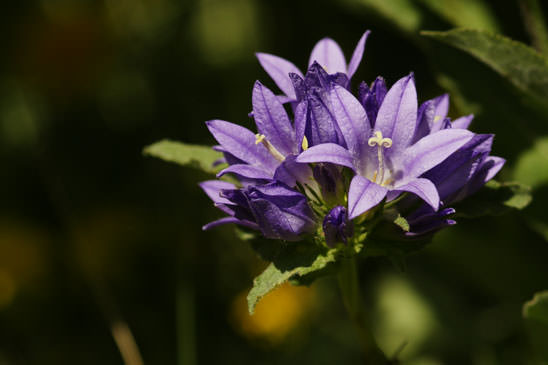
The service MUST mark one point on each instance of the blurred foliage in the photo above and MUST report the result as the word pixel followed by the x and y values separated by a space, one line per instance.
pixel 93 235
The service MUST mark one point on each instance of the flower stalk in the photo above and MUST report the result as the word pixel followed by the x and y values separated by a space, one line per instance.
pixel 350 291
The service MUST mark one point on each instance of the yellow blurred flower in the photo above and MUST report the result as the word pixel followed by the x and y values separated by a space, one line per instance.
pixel 276 315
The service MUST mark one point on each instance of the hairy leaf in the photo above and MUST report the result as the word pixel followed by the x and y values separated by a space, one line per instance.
pixel 295 262
pixel 199 157
pixel 521 65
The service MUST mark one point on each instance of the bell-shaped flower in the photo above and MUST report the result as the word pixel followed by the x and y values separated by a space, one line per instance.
pixel 385 160
pixel 460 175
pixel 319 125
pixel 372 97
pixel 327 53
pixel 271 152
pixel 275 209
pixel 337 227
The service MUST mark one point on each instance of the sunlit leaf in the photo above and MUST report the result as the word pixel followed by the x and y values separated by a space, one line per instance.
pixel 532 165
pixel 402 223
pixel 537 308
pixel 535 313
pixel 297 261
pixel 495 198
pixel 404 13
pixel 199 157
pixel 521 65
pixel 464 13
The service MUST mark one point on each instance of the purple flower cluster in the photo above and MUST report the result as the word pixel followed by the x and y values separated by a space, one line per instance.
pixel 343 157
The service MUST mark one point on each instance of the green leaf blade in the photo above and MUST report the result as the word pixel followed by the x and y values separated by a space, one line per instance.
pixel 196 156
pixel 537 308
pixel 532 165
pixel 464 13
pixel 294 263
pixel 523 66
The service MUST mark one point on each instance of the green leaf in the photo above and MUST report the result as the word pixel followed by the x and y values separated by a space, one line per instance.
pixel 521 65
pixel 297 262
pixel 402 223
pixel 532 165
pixel 464 13
pixel 535 313
pixel 403 13
pixel 495 198
pixel 196 156
pixel 535 214
pixel 537 308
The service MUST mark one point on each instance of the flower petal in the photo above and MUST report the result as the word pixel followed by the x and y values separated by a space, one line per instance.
pixel 485 172
pixel 280 212
pixel 430 222
pixel 329 55
pixel 357 55
pixel 213 187
pixel 456 170
pixel 321 126
pixel 228 220
pixel 441 107
pixel 246 171
pixel 240 142
pixel 372 98
pixel 363 195
pixel 430 151
pixel 300 122
pixel 327 152
pixel 462 122
pixel 397 116
pixel 425 115
pixel 278 69
pixel 424 189
pixel 353 123
pixel 272 120
pixel 290 171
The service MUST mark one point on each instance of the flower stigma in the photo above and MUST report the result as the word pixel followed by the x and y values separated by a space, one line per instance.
pixel 381 143
pixel 261 138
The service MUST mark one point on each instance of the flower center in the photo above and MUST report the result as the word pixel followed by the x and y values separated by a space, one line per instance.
pixel 261 138
pixel 381 143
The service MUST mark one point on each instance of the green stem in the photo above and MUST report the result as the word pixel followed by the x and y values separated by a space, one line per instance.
pixel 349 286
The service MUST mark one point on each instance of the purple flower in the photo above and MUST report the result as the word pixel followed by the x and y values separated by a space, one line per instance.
pixel 337 227
pixel 326 53
pixel 372 97
pixel 271 152
pixel 319 124
pixel 391 144
pixel 384 158
pixel 275 209
pixel 460 175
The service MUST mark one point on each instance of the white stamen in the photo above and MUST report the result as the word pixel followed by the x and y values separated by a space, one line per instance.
pixel 381 143
pixel 261 138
